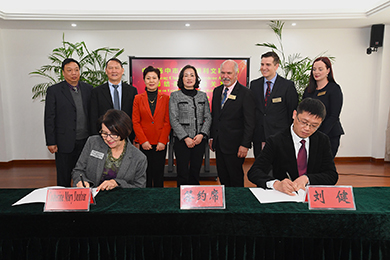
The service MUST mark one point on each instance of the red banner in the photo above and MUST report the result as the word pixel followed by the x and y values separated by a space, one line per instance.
pixel 208 71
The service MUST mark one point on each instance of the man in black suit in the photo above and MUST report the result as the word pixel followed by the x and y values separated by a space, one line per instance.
pixel 276 98
pixel 104 96
pixel 233 123
pixel 299 155
pixel 66 119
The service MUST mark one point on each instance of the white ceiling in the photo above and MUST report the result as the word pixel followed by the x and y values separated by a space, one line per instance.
pixel 201 14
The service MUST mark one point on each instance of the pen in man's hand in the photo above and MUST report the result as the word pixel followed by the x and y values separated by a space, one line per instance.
pixel 82 180
pixel 289 177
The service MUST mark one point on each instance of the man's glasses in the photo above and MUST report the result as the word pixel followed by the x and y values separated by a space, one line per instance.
pixel 314 127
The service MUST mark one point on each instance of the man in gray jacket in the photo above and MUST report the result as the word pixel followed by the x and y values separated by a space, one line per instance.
pixel 66 119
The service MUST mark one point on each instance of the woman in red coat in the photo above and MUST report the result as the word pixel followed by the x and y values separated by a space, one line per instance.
pixel 151 126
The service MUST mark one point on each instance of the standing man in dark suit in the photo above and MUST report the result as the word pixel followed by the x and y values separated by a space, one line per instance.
pixel 66 119
pixel 299 155
pixel 233 123
pixel 276 98
pixel 113 94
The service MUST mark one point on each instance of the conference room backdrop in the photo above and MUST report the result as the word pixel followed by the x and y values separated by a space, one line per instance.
pixel 365 79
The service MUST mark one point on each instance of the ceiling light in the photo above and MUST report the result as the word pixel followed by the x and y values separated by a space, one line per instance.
pixel 74 25
pixel 293 24
pixel 188 25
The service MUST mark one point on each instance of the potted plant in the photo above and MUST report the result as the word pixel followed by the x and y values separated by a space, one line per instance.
pixel 294 67
pixel 92 65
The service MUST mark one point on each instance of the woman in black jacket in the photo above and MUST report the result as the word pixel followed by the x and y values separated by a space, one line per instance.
pixel 322 86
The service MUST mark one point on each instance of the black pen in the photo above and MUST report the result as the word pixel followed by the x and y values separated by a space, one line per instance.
pixel 289 177
pixel 82 180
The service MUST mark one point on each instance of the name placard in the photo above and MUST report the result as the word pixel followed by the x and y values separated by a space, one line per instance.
pixel 331 197
pixel 69 199
pixel 202 197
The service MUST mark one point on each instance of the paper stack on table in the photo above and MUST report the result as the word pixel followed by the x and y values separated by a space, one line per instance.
pixel 272 196
pixel 39 195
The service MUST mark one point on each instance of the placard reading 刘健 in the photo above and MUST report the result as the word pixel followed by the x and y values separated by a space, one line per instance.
pixel 331 197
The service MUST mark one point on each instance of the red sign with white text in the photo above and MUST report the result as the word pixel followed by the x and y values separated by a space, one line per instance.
pixel 331 197
pixel 208 70
pixel 202 197
pixel 69 199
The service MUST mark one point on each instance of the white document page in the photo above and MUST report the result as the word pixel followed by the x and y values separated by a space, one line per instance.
pixel 39 195
pixel 272 196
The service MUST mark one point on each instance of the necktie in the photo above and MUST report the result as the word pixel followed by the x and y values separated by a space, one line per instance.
pixel 224 96
pixel 116 97
pixel 302 159
pixel 267 93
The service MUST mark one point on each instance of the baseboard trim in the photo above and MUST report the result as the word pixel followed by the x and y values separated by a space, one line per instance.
pixel 212 161
pixel 359 159
pixel 27 163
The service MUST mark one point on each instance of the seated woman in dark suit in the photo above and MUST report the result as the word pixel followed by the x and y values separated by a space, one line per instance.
pixel 110 160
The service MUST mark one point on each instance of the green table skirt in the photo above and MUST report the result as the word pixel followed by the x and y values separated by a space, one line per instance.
pixel 148 224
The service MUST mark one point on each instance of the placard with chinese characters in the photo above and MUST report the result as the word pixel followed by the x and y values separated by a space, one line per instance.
pixel 331 197
pixel 68 199
pixel 202 197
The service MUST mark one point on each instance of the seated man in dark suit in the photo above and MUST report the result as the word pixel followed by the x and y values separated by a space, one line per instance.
pixel 298 156
pixel 113 94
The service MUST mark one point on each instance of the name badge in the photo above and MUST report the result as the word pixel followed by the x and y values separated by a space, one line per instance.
pixel 97 154
pixel 277 100
pixel 233 97
pixel 321 93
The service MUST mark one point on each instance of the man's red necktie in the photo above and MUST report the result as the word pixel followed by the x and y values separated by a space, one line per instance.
pixel 267 93
pixel 302 159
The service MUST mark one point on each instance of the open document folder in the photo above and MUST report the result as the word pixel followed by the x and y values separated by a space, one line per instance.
pixel 272 196
pixel 39 195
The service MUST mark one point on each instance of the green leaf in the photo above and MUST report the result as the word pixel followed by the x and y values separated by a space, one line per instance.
pixel 92 65
pixel 295 67
pixel 267 44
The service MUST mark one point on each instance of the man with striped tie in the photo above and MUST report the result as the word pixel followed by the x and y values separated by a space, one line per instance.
pixel 275 97
pixel 113 94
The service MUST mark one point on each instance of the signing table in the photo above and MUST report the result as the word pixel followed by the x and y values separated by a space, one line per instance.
pixel 148 224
